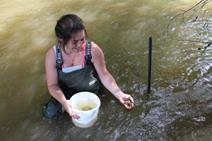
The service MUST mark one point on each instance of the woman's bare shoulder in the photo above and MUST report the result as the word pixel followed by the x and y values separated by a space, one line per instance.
pixel 50 52
pixel 97 54
pixel 96 49
pixel 50 55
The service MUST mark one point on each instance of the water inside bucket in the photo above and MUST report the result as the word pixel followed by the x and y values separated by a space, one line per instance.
pixel 86 106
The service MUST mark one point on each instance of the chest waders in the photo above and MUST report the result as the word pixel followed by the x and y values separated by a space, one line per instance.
pixel 85 79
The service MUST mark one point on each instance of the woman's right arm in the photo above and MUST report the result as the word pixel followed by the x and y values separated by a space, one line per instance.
pixel 52 82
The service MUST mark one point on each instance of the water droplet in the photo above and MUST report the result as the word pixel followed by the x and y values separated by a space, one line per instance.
pixel 173 29
pixel 199 119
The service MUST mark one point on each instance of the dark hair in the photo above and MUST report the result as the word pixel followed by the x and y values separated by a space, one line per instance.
pixel 67 25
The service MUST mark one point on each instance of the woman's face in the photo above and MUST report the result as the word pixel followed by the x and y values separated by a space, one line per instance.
pixel 75 43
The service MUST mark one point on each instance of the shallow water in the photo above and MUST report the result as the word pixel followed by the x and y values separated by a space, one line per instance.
pixel 180 105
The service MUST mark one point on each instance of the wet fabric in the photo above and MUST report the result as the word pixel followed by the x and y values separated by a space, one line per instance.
pixel 52 109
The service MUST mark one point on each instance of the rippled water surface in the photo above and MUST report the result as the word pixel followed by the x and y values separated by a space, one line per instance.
pixel 180 104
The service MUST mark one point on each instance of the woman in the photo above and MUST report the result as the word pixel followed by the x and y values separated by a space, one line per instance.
pixel 76 64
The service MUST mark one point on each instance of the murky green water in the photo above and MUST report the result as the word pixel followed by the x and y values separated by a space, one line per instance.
pixel 180 105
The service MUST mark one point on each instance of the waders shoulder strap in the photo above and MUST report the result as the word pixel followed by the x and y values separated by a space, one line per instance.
pixel 59 59
pixel 88 55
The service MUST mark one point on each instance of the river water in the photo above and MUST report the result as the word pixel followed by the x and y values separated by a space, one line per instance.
pixel 180 104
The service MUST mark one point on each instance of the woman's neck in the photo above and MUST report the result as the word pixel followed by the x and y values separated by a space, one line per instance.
pixel 68 50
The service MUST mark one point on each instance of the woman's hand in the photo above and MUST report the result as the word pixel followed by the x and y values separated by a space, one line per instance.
pixel 69 110
pixel 126 100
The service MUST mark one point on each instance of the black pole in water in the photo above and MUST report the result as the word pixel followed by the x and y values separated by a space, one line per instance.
pixel 149 65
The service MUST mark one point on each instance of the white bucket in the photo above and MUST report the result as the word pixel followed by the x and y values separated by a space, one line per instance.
pixel 86 105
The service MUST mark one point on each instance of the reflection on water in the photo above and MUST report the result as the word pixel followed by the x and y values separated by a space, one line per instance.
pixel 180 105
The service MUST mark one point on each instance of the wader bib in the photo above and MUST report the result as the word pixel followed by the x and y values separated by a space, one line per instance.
pixel 85 79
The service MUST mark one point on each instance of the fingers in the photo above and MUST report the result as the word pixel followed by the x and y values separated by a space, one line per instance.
pixel 75 116
pixel 70 111
pixel 127 101
pixel 129 104
pixel 131 99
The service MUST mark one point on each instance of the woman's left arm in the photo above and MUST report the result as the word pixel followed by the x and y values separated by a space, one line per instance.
pixel 107 79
